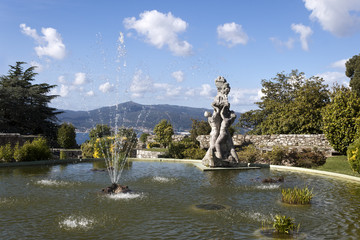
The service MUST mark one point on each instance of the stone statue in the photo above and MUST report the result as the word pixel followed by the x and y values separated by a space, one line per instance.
pixel 221 152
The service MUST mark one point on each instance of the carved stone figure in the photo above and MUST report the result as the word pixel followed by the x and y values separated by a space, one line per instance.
pixel 221 152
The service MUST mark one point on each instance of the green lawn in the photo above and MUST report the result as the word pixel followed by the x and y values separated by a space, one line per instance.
pixel 338 164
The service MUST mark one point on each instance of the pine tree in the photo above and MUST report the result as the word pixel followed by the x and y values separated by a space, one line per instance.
pixel 24 106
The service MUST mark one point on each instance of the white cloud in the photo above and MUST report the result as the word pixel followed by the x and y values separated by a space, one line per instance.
pixel 244 96
pixel 207 91
pixel 50 44
pixel 80 78
pixel 140 84
pixel 170 90
pixel 161 29
pixel 334 77
pixel 190 92
pixel 61 79
pixel 106 87
pixel 64 90
pixel 305 32
pixel 341 18
pixel 90 93
pixel 178 75
pixel 232 34
pixel 288 44
pixel 38 66
pixel 339 64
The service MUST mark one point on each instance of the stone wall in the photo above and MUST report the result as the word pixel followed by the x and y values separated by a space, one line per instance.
pixel 14 138
pixel 147 154
pixel 69 153
pixel 175 138
pixel 267 142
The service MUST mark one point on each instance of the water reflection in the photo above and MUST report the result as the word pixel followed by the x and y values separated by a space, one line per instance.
pixel 64 202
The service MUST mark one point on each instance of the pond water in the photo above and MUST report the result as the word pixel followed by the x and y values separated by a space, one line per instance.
pixel 64 202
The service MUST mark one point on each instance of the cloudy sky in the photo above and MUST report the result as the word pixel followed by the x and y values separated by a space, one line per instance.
pixel 100 53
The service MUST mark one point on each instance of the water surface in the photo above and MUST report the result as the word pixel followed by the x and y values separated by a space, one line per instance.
pixel 64 202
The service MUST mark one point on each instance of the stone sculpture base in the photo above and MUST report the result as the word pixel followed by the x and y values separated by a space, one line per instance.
pixel 116 188
pixel 215 162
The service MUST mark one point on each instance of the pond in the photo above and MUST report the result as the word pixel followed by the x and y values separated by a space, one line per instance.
pixel 64 202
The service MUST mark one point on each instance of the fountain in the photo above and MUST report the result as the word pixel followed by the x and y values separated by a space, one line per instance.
pixel 221 152
pixel 172 201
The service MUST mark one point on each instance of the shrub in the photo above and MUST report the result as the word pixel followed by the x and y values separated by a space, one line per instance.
pixel 62 154
pixel 283 224
pixel 6 153
pixel 297 195
pixel 306 158
pixel 353 155
pixel 249 154
pixel 34 151
pixel 194 153
pixel 154 145
pixel 87 149
pixel 277 155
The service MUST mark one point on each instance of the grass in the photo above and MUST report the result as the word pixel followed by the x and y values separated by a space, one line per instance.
pixel 296 195
pixel 338 164
pixel 155 149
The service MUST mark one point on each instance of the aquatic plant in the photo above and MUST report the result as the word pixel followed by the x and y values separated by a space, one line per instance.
pixel 297 195
pixel 284 224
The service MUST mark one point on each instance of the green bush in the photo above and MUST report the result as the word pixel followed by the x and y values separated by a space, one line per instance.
pixel 154 145
pixel 283 224
pixel 277 155
pixel 185 148
pixel 194 153
pixel 87 149
pixel 307 158
pixel 6 153
pixel 62 154
pixel 249 154
pixel 353 155
pixel 34 151
pixel 297 195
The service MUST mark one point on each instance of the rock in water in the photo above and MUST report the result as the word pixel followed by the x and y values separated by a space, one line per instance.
pixel 116 188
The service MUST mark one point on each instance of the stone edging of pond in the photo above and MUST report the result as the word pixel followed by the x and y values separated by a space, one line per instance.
pixel 274 167
pixel 48 162
pixel 316 172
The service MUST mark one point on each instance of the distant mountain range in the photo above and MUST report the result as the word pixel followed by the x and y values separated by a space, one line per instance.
pixel 134 115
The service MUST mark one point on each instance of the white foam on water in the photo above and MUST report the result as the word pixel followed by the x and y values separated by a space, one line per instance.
pixel 256 216
pixel 50 182
pixel 161 179
pixel 73 222
pixel 268 186
pixel 124 196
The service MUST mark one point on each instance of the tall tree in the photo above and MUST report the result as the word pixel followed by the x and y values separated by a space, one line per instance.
pixel 353 72
pixel 291 104
pixel 199 128
pixel 99 131
pixel 24 106
pixel 164 131
pixel 341 118
pixel 66 136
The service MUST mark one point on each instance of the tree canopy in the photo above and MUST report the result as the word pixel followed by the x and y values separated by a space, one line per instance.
pixel 24 106
pixel 291 104
pixel 353 72
pixel 99 131
pixel 163 132
pixel 342 118
pixel 199 128
pixel 66 136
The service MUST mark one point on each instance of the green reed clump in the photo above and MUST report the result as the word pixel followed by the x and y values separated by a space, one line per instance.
pixel 283 224
pixel 297 195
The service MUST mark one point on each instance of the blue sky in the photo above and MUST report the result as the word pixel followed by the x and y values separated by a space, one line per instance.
pixel 100 53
